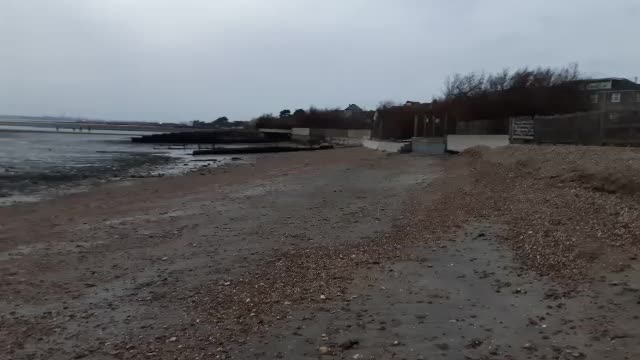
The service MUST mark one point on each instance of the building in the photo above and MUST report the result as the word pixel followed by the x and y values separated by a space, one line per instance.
pixel 612 94
pixel 352 109
pixel 407 121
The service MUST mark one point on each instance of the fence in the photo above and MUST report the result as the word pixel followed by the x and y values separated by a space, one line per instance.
pixel 482 127
pixel 590 128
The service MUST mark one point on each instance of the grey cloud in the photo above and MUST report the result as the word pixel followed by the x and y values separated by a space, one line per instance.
pixel 198 59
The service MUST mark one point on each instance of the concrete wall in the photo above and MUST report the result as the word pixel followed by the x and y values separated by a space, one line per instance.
pixel 301 131
pixel 432 146
pixel 353 137
pixel 388 146
pixel 330 132
pixel 359 133
pixel 345 141
pixel 463 142
pixel 337 136
pixel 301 138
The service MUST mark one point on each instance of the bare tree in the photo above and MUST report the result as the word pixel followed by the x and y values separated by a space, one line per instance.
pixel 567 74
pixel 498 81
pixel 386 104
pixel 524 91
pixel 464 85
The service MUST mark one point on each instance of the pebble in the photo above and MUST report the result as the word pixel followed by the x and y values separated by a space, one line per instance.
pixel 349 344
pixel 442 346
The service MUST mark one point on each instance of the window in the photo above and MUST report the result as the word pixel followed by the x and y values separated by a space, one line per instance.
pixel 615 97
pixel 594 98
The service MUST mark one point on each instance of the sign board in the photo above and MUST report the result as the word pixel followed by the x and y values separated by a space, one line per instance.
pixel 599 85
pixel 522 128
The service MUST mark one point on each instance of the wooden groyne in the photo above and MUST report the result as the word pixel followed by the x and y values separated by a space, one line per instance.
pixel 259 150
pixel 211 137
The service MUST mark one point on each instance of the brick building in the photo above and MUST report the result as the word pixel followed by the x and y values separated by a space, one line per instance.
pixel 612 94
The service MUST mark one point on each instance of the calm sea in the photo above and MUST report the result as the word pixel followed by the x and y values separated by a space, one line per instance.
pixel 33 163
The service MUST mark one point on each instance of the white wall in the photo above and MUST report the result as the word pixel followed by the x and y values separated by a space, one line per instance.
pixel 388 146
pixel 463 142
pixel 433 146
pixel 338 136
pixel 352 133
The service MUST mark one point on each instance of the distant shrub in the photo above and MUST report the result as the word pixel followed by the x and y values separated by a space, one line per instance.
pixel 330 118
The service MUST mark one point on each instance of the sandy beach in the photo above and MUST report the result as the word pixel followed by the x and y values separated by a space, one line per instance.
pixel 346 254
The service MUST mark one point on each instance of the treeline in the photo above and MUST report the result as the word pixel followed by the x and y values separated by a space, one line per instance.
pixel 523 92
pixel 316 118
pixel 475 96
pixel 220 123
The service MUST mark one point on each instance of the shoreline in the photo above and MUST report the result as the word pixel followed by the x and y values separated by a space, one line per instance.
pixel 70 132
pixel 35 187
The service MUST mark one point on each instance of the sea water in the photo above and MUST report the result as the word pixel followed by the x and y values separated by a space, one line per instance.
pixel 35 163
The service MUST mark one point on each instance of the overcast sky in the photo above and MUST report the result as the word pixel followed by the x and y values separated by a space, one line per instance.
pixel 179 60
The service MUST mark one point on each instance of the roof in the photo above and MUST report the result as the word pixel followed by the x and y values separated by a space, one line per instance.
pixel 353 108
pixel 610 83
